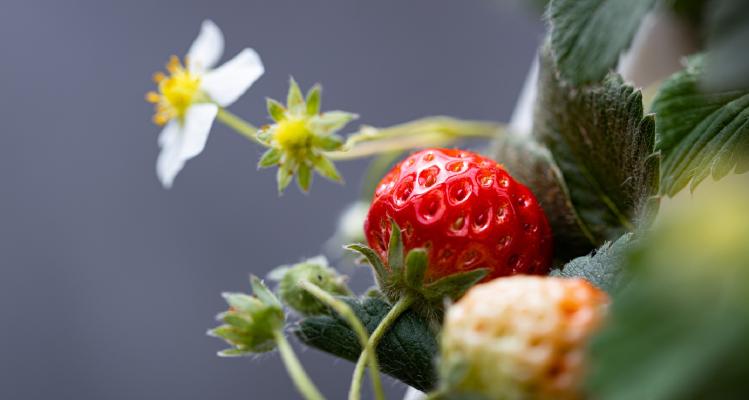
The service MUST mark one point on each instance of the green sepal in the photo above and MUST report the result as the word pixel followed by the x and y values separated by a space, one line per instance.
pixel 283 177
pixel 304 177
pixel 276 110
pixel 455 285
pixel 400 278
pixel 326 168
pixel 330 121
pixel 270 158
pixel 395 248
pixel 416 266
pixel 262 292
pixel 327 142
pixel 313 100
pixel 373 259
pixel 295 99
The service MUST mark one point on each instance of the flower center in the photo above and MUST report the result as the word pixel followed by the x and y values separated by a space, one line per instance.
pixel 292 134
pixel 176 92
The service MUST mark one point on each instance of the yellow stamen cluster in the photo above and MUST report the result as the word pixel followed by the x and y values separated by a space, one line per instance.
pixel 293 134
pixel 176 92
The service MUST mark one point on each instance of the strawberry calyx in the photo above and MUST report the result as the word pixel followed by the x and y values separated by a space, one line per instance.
pixel 403 274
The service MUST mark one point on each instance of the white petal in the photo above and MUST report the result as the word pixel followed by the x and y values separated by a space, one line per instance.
pixel 226 83
pixel 207 48
pixel 179 143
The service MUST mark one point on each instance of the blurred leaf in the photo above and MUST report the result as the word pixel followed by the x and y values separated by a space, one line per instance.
pixel 313 100
pixel 602 268
pixel 699 134
pixel 604 147
pixel 533 165
pixel 727 26
pixel 405 352
pixel 679 329
pixel 587 36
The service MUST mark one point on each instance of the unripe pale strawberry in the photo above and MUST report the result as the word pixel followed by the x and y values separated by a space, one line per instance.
pixel 521 337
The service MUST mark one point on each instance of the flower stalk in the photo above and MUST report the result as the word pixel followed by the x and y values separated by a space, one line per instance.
pixel 348 314
pixel 300 378
pixel 370 350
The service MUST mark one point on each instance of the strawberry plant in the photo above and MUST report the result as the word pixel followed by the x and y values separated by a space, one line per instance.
pixel 647 293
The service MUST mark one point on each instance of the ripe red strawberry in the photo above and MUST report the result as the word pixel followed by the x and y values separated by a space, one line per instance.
pixel 466 210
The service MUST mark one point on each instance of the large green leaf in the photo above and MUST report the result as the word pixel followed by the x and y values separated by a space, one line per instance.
pixel 602 268
pixel 679 329
pixel 604 147
pixel 699 133
pixel 587 36
pixel 405 352
pixel 533 165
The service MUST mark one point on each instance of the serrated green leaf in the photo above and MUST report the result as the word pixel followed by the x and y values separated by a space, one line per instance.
pixel 242 301
pixel 405 352
pixel 270 158
pixel 304 177
pixel 295 99
pixel 314 97
pixel 533 165
pixel 276 110
pixel 453 286
pixel 326 168
pixel 587 36
pixel 604 147
pixel 330 122
pixel 416 266
pixel 699 134
pixel 373 259
pixel 395 249
pixel 603 267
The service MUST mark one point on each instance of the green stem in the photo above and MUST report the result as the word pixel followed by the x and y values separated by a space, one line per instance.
pixel 400 306
pixel 348 314
pixel 242 127
pixel 296 371
pixel 425 132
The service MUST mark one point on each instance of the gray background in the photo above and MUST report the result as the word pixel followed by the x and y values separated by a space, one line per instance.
pixel 108 282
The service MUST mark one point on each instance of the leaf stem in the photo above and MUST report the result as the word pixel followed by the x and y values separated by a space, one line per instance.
pixel 348 314
pixel 371 349
pixel 241 126
pixel 295 369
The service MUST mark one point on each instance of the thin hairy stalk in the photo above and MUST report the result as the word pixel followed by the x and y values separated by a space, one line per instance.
pixel 348 314
pixel 400 306
pixel 242 127
pixel 300 378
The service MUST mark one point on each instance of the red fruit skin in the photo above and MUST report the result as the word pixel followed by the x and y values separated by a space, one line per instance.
pixel 466 210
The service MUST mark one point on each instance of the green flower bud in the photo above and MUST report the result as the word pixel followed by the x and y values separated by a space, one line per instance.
pixel 251 323
pixel 316 271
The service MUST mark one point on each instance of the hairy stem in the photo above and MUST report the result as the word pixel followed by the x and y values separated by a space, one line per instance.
pixel 348 314
pixel 430 131
pixel 242 127
pixel 400 306
pixel 295 369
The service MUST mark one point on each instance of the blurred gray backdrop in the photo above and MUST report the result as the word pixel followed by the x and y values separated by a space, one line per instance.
pixel 107 281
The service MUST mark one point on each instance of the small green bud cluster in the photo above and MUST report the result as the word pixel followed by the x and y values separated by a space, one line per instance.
pixel 300 136
pixel 316 271
pixel 251 323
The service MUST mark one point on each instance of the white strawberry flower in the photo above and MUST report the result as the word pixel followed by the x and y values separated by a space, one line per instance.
pixel 190 96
